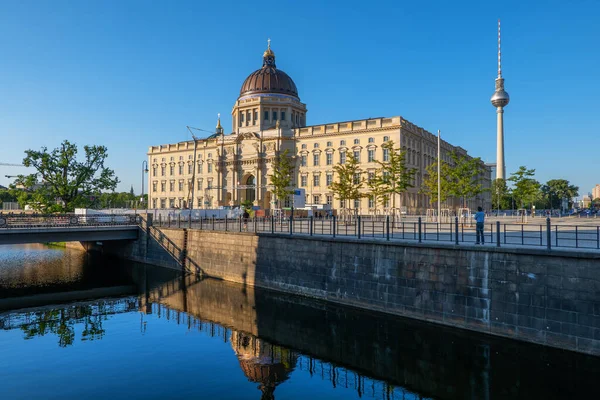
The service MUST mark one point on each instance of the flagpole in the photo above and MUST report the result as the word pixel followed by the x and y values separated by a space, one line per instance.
pixel 439 183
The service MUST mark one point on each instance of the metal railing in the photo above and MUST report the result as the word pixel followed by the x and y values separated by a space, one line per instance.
pixel 36 221
pixel 456 232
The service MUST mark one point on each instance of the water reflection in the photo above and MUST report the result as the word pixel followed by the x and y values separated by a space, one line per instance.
pixel 285 346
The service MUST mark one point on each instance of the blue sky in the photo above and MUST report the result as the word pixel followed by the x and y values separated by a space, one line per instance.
pixel 129 74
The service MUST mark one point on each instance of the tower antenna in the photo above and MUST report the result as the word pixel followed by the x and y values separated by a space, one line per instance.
pixel 499 53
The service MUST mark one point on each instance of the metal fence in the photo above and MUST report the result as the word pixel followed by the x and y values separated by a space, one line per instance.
pixel 32 221
pixel 456 232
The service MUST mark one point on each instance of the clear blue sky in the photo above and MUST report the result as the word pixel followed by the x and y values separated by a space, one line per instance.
pixel 129 74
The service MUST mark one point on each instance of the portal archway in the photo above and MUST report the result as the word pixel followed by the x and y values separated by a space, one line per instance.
pixel 250 188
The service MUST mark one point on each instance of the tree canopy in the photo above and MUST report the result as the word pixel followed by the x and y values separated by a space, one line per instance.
pixel 500 194
pixel 349 181
pixel 66 182
pixel 526 190
pixel 282 177
pixel 393 176
pixel 555 190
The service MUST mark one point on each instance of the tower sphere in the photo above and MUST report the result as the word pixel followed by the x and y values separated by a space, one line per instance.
pixel 500 98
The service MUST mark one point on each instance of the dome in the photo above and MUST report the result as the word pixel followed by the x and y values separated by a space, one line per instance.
pixel 269 79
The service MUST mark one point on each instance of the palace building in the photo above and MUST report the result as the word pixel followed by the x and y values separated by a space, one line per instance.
pixel 268 117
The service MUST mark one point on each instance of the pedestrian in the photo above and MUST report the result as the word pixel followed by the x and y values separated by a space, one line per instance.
pixel 479 219
pixel 246 216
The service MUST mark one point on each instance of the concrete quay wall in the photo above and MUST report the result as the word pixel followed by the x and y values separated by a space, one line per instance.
pixel 530 295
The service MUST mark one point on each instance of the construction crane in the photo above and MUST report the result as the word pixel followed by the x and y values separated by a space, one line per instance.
pixel 11 165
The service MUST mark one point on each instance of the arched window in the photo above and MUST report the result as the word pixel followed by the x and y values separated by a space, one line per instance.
pixel 386 138
pixel 329 144
pixel 316 145
pixel 356 141
pixel 342 142
pixel 371 140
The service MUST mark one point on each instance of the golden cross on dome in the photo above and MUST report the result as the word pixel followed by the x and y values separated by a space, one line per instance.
pixel 269 43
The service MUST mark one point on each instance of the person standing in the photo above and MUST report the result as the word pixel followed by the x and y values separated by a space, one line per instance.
pixel 246 216
pixel 479 219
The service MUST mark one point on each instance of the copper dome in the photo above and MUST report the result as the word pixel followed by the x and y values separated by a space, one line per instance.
pixel 269 79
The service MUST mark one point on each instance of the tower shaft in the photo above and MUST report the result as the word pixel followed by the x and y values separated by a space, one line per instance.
pixel 500 168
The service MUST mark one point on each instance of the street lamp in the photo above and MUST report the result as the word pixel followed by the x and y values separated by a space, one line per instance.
pixel 144 171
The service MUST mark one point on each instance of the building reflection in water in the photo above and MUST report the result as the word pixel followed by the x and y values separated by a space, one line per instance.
pixel 262 362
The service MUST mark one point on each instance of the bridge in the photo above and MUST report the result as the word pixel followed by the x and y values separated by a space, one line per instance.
pixel 40 228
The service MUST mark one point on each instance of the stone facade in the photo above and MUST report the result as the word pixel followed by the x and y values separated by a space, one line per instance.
pixel 269 118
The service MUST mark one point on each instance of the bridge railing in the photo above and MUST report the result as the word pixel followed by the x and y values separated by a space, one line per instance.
pixel 33 221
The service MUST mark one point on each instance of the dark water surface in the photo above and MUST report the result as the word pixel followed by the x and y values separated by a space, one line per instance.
pixel 98 328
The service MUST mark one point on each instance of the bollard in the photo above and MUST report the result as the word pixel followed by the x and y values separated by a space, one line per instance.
pixel 190 221
pixel 240 224
pixel 291 224
pixel 419 223
pixel 456 230
pixel 548 234
pixel 213 223
pixel 169 220
pixel 179 220
pixel 359 225
pixel 160 220
pixel 272 224
pixel 310 227
pixel 497 233
pixel 387 227
pixel 255 228
pixel 225 223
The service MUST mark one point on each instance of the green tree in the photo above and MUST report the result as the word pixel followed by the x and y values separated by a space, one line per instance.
pixel 131 192
pixel 377 189
pixel 555 190
pixel 247 205
pixel 500 194
pixel 282 177
pixel 394 176
pixel 526 190
pixel 464 177
pixel 66 182
pixel 6 196
pixel 348 182
pixel 429 185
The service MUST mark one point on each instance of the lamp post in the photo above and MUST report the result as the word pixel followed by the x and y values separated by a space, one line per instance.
pixel 144 171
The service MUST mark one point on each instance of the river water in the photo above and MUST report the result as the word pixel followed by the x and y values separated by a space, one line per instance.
pixel 75 325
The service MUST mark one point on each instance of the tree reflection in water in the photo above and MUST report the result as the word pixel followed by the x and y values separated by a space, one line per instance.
pixel 62 321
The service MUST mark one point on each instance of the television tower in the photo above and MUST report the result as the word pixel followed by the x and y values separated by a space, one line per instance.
pixel 500 100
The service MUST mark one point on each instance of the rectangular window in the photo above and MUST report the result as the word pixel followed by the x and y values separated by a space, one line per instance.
pixel 153 171
pixel 162 203
pixel 162 186
pixel 386 202
pixel 266 116
pixel 247 118
pixel 242 117
pixel 162 171
pixel 316 180
pixel 386 155
pixel 329 199
pixel 356 204
pixel 199 184
pixel 356 179
pixel 190 169
pixel 181 170
pixel 371 202
pixel 343 157
pixel 316 159
pixel 274 115
pixel 357 155
pixel 316 199
pixel 371 155
pixel 153 203
pixel 171 203
pixel 209 184
pixel 370 176
pixel 209 168
pixel 303 161
pixel 329 157
pixel 255 117
pixel 342 205
pixel 171 186
pixel 200 168
pixel 154 185
pixel 283 115
pixel 328 179
pixel 180 186
pixel 303 181
pixel 171 170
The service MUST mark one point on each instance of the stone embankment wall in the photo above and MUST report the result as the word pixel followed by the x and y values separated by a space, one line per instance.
pixel 531 295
